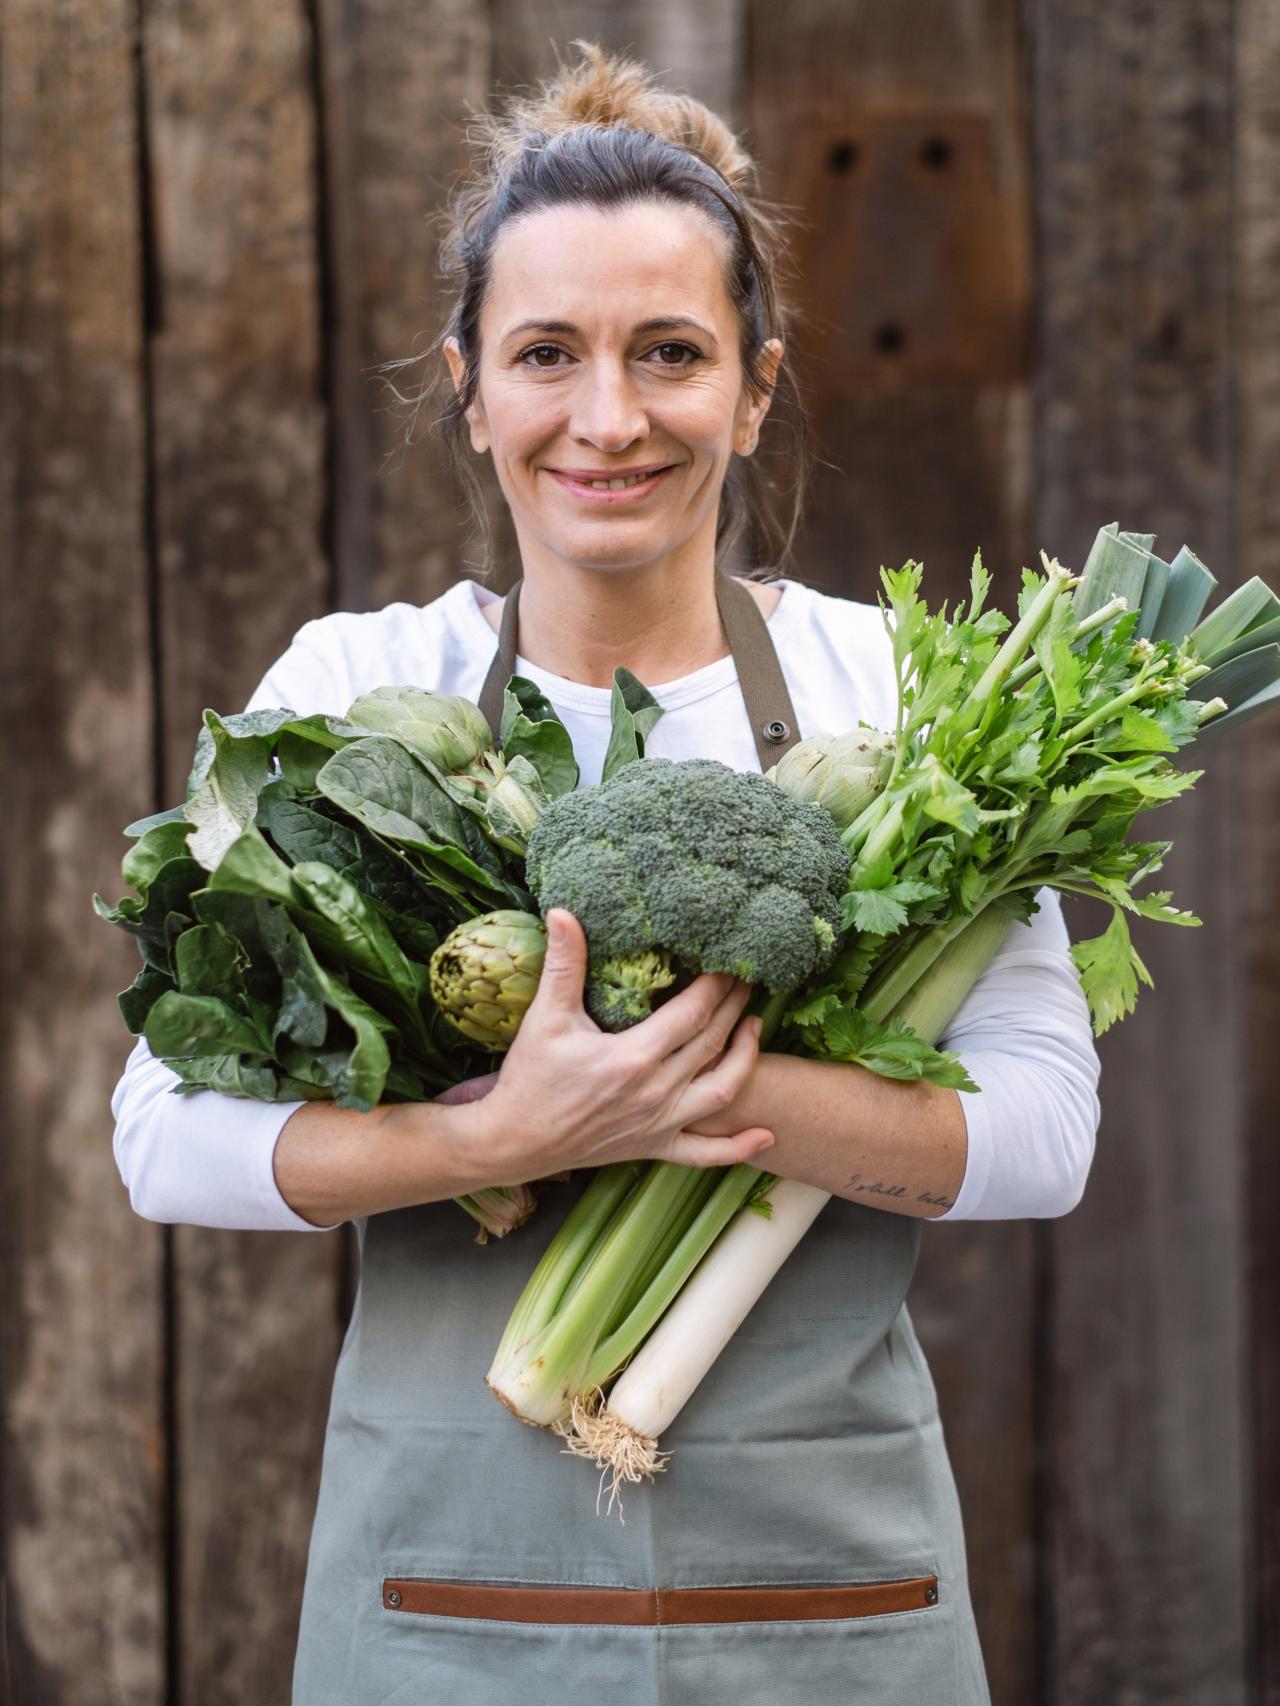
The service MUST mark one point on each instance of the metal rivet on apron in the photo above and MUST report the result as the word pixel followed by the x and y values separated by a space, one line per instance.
pixel 393 1598
pixel 776 730
pixel 931 1594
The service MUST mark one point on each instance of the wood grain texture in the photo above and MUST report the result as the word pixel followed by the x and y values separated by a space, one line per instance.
pixel 920 456
pixel 393 88
pixel 239 495
pixel 1133 148
pixel 924 459
pixel 82 1451
pixel 1257 369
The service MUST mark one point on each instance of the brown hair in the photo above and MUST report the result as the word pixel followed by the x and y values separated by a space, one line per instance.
pixel 600 134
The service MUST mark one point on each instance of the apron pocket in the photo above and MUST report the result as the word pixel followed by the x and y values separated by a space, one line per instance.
pixel 888 1642
pixel 661 1607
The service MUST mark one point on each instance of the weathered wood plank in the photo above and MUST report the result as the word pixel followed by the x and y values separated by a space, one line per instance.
pixel 902 148
pixel 1133 148
pixel 393 114
pixel 691 45
pixel 239 471
pixel 82 1453
pixel 1257 369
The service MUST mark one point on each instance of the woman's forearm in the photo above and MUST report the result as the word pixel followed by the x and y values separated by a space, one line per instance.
pixel 334 1164
pixel 879 1141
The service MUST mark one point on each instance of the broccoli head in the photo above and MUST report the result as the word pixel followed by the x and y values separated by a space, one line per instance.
pixel 686 866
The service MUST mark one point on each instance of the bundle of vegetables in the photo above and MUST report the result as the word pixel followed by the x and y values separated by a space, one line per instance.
pixel 288 910
pixel 1023 754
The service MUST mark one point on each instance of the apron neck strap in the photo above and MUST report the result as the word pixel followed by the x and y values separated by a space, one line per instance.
pixel 503 666
pixel 760 677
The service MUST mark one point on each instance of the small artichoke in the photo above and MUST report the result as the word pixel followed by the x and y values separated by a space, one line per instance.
pixel 485 973
pixel 841 773
pixel 451 732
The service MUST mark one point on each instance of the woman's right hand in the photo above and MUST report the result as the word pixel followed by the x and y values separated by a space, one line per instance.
pixel 570 1094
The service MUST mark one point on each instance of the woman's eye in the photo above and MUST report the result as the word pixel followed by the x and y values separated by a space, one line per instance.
pixel 536 350
pixel 687 348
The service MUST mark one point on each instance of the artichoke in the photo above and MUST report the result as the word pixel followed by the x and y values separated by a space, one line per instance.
pixel 841 773
pixel 485 973
pixel 451 733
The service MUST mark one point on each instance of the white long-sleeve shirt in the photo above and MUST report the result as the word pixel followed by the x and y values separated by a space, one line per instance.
pixel 206 1159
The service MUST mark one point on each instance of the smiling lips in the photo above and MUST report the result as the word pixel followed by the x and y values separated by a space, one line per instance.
pixel 578 481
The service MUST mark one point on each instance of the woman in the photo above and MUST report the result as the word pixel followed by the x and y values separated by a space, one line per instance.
pixel 617 321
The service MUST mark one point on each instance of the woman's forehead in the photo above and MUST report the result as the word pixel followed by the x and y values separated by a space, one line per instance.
pixel 607 266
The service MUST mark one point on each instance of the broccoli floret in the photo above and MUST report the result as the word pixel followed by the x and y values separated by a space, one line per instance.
pixel 680 867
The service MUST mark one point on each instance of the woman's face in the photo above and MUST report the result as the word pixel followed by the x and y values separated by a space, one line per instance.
pixel 575 382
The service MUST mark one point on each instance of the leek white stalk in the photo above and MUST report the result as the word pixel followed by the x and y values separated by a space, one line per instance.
pixel 622 1435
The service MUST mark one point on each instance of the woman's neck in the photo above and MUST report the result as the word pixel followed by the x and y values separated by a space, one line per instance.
pixel 586 625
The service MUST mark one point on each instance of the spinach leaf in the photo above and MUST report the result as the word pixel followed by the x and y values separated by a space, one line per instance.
pixel 633 711
pixel 532 730
pixel 226 798
pixel 381 784
pixel 141 996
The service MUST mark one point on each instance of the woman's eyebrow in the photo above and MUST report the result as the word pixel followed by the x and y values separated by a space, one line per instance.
pixel 664 323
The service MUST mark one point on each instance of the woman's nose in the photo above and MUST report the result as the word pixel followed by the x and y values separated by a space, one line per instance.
pixel 606 408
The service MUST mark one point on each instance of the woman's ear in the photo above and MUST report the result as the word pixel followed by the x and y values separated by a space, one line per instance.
pixel 475 414
pixel 749 432
pixel 453 355
pixel 772 359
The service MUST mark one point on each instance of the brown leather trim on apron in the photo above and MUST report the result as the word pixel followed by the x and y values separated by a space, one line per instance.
pixel 764 689
pixel 648 1605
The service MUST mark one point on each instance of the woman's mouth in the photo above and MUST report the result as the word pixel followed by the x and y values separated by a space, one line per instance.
pixel 608 489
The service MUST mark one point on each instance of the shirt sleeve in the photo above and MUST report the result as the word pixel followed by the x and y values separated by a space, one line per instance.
pixel 1025 1038
pixel 203 1158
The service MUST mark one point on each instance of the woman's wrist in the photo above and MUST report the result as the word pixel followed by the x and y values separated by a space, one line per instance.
pixel 756 1104
pixel 333 1164
pixel 452 1143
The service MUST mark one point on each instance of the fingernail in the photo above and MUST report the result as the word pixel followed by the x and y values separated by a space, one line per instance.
pixel 757 1025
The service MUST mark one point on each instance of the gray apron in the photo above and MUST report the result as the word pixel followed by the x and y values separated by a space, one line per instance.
pixel 804 1541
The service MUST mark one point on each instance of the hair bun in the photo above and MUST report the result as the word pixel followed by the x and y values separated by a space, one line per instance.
pixel 611 89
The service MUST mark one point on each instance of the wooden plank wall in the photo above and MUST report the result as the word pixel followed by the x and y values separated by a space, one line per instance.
pixel 84 1465
pixel 1037 266
pixel 1256 365
pixel 239 557
pixel 1143 1429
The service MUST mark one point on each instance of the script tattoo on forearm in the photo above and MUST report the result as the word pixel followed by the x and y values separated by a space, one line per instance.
pixel 880 1188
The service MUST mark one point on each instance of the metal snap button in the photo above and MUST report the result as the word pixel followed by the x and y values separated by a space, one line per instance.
pixel 776 730
pixel 393 1597
pixel 931 1594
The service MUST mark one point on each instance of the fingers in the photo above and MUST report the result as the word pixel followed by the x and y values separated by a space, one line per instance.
pixel 564 970
pixel 704 1049
pixel 685 1015
pixel 693 1150
pixel 706 1046
pixel 714 1089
